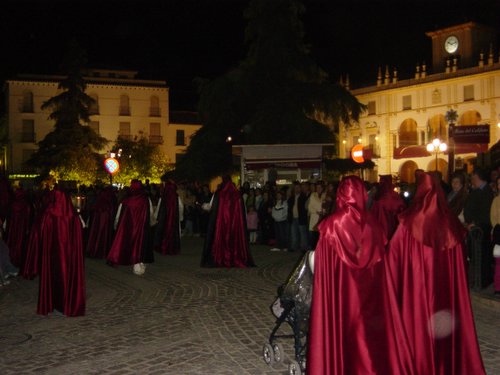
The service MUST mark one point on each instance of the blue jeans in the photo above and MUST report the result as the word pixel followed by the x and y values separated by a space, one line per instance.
pixel 281 233
pixel 299 239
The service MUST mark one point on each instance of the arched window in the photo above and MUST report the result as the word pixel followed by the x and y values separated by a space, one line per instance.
pixel 407 172
pixel 408 135
pixel 469 118
pixel 437 127
pixel 154 109
pixel 94 106
pixel 27 104
pixel 124 105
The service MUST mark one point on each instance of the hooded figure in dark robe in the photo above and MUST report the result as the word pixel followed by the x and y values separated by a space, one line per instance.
pixel 168 231
pixel 101 220
pixel 348 333
pixel 427 286
pixel 31 265
pixel 62 270
pixel 132 243
pixel 18 226
pixel 226 243
pixel 387 205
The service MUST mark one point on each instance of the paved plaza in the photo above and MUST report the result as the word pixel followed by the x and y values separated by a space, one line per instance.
pixel 176 319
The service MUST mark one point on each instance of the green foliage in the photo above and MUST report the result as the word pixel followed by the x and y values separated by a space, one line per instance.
pixel 71 139
pixel 277 94
pixel 139 160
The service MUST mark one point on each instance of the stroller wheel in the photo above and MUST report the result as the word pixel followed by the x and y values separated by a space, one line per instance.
pixel 268 354
pixel 294 368
pixel 279 353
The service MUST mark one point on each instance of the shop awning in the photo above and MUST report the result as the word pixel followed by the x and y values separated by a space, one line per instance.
pixel 252 164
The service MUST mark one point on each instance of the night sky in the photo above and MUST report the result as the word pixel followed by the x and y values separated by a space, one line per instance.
pixel 178 40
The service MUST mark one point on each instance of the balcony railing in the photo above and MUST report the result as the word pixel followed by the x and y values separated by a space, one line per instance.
pixel 127 137
pixel 155 139
pixel 28 137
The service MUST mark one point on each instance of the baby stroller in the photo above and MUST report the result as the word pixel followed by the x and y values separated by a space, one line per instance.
pixel 292 306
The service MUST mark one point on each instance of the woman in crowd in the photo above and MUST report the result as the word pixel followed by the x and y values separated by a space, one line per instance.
pixel 495 223
pixel 458 195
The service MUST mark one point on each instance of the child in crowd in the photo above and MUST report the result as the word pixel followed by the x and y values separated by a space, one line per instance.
pixel 252 223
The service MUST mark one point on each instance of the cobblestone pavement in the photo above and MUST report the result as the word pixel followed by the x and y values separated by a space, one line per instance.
pixel 176 319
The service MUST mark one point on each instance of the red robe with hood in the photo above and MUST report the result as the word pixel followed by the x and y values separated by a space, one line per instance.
pixel 427 286
pixel 101 223
pixel 62 270
pixel 132 242
pixel 348 333
pixel 226 243
pixel 387 204
pixel 18 227
pixel 168 234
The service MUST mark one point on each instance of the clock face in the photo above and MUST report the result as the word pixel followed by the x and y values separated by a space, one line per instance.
pixel 451 44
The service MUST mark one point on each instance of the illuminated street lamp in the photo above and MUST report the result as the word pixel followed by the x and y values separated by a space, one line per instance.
pixel 437 146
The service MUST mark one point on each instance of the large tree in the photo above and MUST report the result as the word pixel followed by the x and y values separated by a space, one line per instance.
pixel 71 140
pixel 277 94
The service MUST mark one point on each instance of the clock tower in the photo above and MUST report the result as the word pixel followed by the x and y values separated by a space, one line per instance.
pixel 464 42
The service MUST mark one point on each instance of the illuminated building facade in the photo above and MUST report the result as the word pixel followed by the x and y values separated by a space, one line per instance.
pixel 124 107
pixel 403 116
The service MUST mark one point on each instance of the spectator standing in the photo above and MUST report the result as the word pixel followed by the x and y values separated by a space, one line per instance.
pixel 477 215
pixel 495 223
pixel 297 218
pixel 266 222
pixel 315 210
pixel 252 224
pixel 458 195
pixel 280 216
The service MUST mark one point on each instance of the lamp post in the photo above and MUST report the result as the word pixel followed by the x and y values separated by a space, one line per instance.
pixel 437 146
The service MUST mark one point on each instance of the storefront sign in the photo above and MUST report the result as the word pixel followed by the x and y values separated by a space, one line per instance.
pixel 470 134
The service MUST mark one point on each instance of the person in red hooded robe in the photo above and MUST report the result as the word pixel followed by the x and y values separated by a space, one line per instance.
pixel 62 267
pixel 31 265
pixel 169 213
pixel 18 225
pixel 347 332
pixel 101 220
pixel 427 286
pixel 226 242
pixel 132 243
pixel 387 205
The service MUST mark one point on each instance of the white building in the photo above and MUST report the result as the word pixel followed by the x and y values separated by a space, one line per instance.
pixel 403 116
pixel 124 107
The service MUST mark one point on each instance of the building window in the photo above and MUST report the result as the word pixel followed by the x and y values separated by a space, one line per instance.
pixel 124 132
pixel 94 125
pixel 406 102
pixel 468 92
pixel 373 145
pixel 28 131
pixel 94 106
pixel 124 105
pixel 27 103
pixel 27 154
pixel 154 109
pixel 371 108
pixel 155 133
pixel 179 138
pixel 408 134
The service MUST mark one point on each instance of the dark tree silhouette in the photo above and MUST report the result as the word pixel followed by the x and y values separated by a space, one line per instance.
pixel 277 94
pixel 71 141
